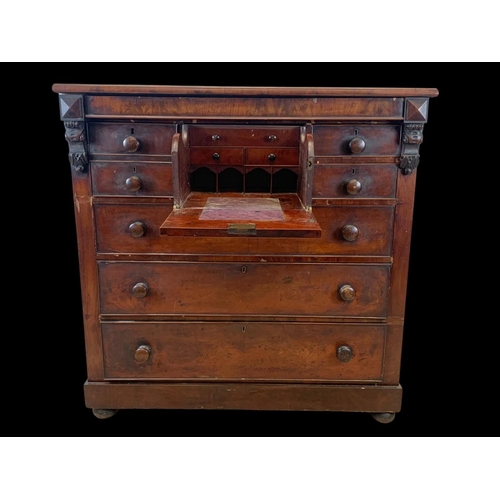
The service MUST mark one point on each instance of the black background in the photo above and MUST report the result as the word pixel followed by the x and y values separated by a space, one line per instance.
pixel 48 353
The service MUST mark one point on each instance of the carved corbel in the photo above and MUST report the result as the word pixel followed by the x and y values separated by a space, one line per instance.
pixel 75 135
pixel 413 136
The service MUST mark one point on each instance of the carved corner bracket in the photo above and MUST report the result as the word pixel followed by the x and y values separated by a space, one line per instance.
pixel 413 136
pixel 75 135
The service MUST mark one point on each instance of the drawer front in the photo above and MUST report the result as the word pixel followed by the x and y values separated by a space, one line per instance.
pixel 379 139
pixel 270 156
pixel 131 179
pixel 216 156
pixel 242 289
pixel 260 351
pixel 354 181
pixel 107 138
pixel 244 136
pixel 374 226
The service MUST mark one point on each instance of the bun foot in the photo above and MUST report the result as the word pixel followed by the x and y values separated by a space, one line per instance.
pixel 102 414
pixel 384 418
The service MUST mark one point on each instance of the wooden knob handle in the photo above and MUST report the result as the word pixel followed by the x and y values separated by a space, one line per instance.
pixel 272 137
pixel 357 145
pixel 347 293
pixel 142 353
pixel 216 156
pixel 344 353
pixel 133 183
pixel 216 137
pixel 271 157
pixel 131 144
pixel 140 290
pixel 137 229
pixel 353 186
pixel 350 232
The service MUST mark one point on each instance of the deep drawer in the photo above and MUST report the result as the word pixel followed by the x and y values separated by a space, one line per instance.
pixel 379 139
pixel 243 289
pixel 107 138
pixel 374 225
pixel 244 136
pixel 259 351
pixel 354 181
pixel 131 179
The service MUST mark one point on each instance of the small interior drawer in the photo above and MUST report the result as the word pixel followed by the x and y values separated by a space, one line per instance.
pixel 216 156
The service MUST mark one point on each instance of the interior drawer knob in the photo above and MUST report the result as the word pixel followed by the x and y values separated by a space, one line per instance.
pixel 357 145
pixel 140 290
pixel 142 353
pixel 272 137
pixel 271 157
pixel 350 232
pixel 137 229
pixel 131 144
pixel 133 183
pixel 353 187
pixel 216 156
pixel 347 293
pixel 344 353
pixel 215 137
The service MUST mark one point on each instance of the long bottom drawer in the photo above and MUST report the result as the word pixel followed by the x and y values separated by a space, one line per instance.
pixel 250 351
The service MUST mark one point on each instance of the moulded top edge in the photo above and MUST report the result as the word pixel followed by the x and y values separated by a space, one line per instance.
pixel 74 88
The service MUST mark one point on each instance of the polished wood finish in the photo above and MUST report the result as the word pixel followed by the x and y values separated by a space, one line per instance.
pixel 111 138
pixel 245 396
pixel 357 139
pixel 243 247
pixel 250 351
pixel 247 91
pixel 355 181
pixel 264 289
pixel 131 178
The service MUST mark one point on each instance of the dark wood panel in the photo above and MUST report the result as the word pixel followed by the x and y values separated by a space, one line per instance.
pixel 107 138
pixel 374 223
pixel 264 156
pixel 376 181
pixel 259 351
pixel 199 288
pixel 110 178
pixel 238 135
pixel 335 139
pixel 289 108
pixel 255 91
pixel 216 156
pixel 240 396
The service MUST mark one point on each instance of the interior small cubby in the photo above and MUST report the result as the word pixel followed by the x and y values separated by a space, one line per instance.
pixel 244 180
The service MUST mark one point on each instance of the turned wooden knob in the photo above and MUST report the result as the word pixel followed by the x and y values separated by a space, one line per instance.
pixel 133 183
pixel 271 157
pixel 137 229
pixel 140 290
pixel 216 156
pixel 142 353
pixel 353 186
pixel 131 144
pixel 347 293
pixel 344 353
pixel 357 145
pixel 350 232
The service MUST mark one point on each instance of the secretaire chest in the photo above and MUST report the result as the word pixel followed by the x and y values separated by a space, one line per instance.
pixel 243 247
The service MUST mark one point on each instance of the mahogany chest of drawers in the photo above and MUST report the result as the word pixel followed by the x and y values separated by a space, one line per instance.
pixel 243 247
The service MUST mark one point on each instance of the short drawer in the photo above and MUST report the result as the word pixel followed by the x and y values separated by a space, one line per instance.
pixel 244 136
pixel 216 156
pixel 131 179
pixel 354 181
pixel 271 156
pixel 259 351
pixel 108 138
pixel 221 288
pixel 373 224
pixel 335 139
